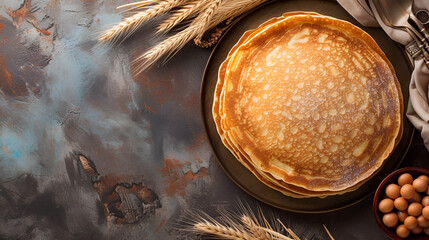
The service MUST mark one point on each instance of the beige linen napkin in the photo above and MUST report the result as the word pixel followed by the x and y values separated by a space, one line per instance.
pixel 418 109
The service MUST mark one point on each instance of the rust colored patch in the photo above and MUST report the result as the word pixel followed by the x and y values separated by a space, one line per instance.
pixel 171 164
pixel 123 202
pixel 6 150
pixel 5 75
pixel 21 14
pixel 45 32
pixel 148 107
pixel 7 85
pixel 36 91
pixel 160 89
pixel 189 175
pixel 176 180
pixel 106 183
pixel 192 102
pixel 197 142
pixel 162 223
pixel 53 2
pixel 1 26
pixel 174 183
pixel 24 14
pixel 155 88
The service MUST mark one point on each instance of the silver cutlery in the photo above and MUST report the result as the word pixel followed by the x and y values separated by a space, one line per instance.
pixel 396 15
pixel 389 21
pixel 423 16
pixel 408 7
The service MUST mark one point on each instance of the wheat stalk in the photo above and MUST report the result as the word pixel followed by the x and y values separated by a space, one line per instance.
pixel 136 5
pixel 198 26
pixel 231 225
pixel 175 42
pixel 222 231
pixel 130 24
pixel 258 233
pixel 208 14
pixel 168 46
pixel 139 4
pixel 181 14
pixel 295 237
pixel 329 234
pixel 206 17
pixel 233 9
pixel 276 234
pixel 229 12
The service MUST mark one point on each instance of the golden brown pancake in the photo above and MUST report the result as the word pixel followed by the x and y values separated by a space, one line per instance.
pixel 309 104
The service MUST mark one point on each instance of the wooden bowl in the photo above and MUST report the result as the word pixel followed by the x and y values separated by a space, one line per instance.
pixel 380 194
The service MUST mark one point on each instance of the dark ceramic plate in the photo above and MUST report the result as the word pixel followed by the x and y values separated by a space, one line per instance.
pixel 243 177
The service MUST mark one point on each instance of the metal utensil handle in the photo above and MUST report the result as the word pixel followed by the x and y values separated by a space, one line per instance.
pixel 423 46
pixel 419 25
pixel 422 38
pixel 387 21
pixel 421 42
pixel 423 14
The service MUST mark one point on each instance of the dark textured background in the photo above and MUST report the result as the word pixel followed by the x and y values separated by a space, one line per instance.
pixel 61 96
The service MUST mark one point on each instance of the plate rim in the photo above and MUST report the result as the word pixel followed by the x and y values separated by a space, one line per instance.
pixel 227 172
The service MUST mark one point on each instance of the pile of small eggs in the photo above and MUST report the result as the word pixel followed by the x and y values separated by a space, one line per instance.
pixel 406 205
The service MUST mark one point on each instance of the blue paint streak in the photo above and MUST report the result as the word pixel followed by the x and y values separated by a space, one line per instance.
pixel 12 144
pixel 108 19
pixel 16 149
pixel 32 133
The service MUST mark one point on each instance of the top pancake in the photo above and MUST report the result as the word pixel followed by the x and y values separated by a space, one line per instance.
pixel 311 100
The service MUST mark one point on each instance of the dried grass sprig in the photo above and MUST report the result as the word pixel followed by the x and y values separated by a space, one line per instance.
pixel 277 235
pixel 234 225
pixel 130 24
pixel 170 45
pixel 295 237
pixel 233 9
pixel 174 43
pixel 204 15
pixel 187 11
pixel 141 3
pixel 329 233
pixel 258 233
pixel 222 231
pixel 166 47
pixel 136 5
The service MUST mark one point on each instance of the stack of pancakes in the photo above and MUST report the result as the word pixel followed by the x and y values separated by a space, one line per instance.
pixel 309 104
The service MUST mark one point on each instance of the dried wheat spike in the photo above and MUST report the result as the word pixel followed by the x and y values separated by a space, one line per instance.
pixel 187 11
pixel 130 24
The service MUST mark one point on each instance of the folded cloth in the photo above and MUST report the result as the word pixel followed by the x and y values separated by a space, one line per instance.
pixel 418 105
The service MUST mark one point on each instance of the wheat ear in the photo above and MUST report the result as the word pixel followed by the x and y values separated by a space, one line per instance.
pixel 228 13
pixel 168 46
pixel 276 235
pixel 257 232
pixel 136 5
pixel 207 17
pixel 197 27
pixel 295 237
pixel 173 43
pixel 329 234
pixel 130 24
pixel 181 14
pixel 222 231
pixel 233 9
